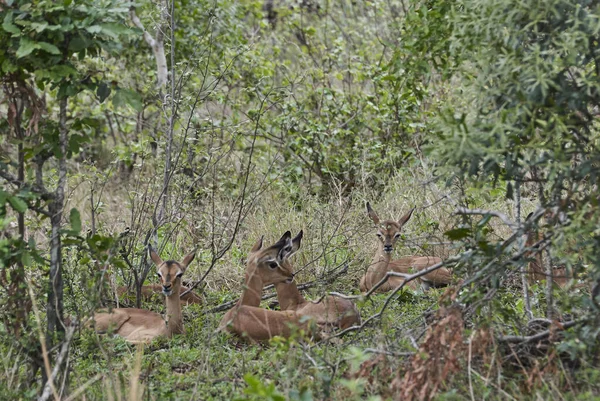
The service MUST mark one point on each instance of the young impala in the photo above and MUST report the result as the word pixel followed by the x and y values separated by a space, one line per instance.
pixel 140 325
pixel 388 233
pixel 331 312
pixel 263 267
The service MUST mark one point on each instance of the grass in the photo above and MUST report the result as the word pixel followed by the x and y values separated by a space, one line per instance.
pixel 205 364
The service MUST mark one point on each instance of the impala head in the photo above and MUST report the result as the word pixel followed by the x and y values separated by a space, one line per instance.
pixel 388 231
pixel 271 263
pixel 170 271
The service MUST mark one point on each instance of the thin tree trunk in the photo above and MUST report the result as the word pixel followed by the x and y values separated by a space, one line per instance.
pixel 547 261
pixel 55 290
pixel 520 245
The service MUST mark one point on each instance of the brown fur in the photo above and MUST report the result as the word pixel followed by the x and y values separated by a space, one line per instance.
pixel 388 234
pixel 331 311
pixel 140 325
pixel 560 275
pixel 247 320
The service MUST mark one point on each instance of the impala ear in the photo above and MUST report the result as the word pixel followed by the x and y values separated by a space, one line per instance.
pixel 286 246
pixel 286 236
pixel 406 217
pixel 154 256
pixel 258 245
pixel 372 214
pixel 188 259
pixel 296 242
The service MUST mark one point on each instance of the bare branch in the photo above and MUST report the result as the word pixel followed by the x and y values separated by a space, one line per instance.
pixel 158 48
pixel 42 192
pixel 540 335
pixel 463 210
pixel 61 357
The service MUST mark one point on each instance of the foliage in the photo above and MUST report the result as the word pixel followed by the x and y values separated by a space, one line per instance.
pixel 290 115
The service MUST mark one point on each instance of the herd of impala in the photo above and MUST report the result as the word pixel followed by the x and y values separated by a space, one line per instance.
pixel 266 266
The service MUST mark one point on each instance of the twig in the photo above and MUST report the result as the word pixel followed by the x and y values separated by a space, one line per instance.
pixel 501 216
pixel 36 313
pixel 230 304
pixel 384 352
pixel 540 335
pixel 85 385
pixel 48 388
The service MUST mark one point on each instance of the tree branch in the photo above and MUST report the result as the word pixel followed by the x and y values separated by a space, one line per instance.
pixel 501 216
pixel 158 48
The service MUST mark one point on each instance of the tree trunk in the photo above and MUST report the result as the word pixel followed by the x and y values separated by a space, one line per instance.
pixel 520 246
pixel 55 289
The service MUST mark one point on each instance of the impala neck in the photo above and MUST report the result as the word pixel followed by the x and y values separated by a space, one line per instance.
pixel 289 296
pixel 174 316
pixel 381 260
pixel 253 286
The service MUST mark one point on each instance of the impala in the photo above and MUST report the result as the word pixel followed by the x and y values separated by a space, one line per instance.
pixel 140 325
pixel 331 312
pixel 560 275
pixel 263 267
pixel 388 233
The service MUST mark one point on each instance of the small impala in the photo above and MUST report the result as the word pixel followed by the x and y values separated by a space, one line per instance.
pixel 140 325
pixel 331 312
pixel 263 267
pixel 561 277
pixel 388 233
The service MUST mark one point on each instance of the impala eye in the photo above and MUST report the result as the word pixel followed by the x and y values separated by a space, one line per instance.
pixel 397 235
pixel 273 265
pixel 179 274
pixel 379 235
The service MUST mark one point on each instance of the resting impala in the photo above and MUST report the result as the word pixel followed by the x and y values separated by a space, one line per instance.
pixel 331 312
pixel 560 275
pixel 140 325
pixel 388 233
pixel 263 267
pixel 149 291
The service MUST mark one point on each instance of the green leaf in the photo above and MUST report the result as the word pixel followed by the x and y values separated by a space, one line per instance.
pixel 18 204
pixel 47 47
pixel 113 30
pixel 94 29
pixel 103 91
pixel 127 96
pixel 457 233
pixel 8 26
pixel 75 220
pixel 26 259
pixel 39 26
pixel 26 46
pixel 79 43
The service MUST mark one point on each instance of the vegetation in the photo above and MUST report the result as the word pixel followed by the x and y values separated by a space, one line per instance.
pixel 207 124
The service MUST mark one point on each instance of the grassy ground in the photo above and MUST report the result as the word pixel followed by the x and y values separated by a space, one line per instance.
pixel 206 364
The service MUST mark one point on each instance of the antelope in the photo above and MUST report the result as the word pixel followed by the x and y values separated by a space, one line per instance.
pixel 263 267
pixel 388 233
pixel 140 325
pixel 330 312
pixel 149 291
pixel 560 275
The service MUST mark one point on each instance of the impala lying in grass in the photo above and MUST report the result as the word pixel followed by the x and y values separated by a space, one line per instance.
pixel 263 267
pixel 388 233
pixel 140 325
pixel 330 312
